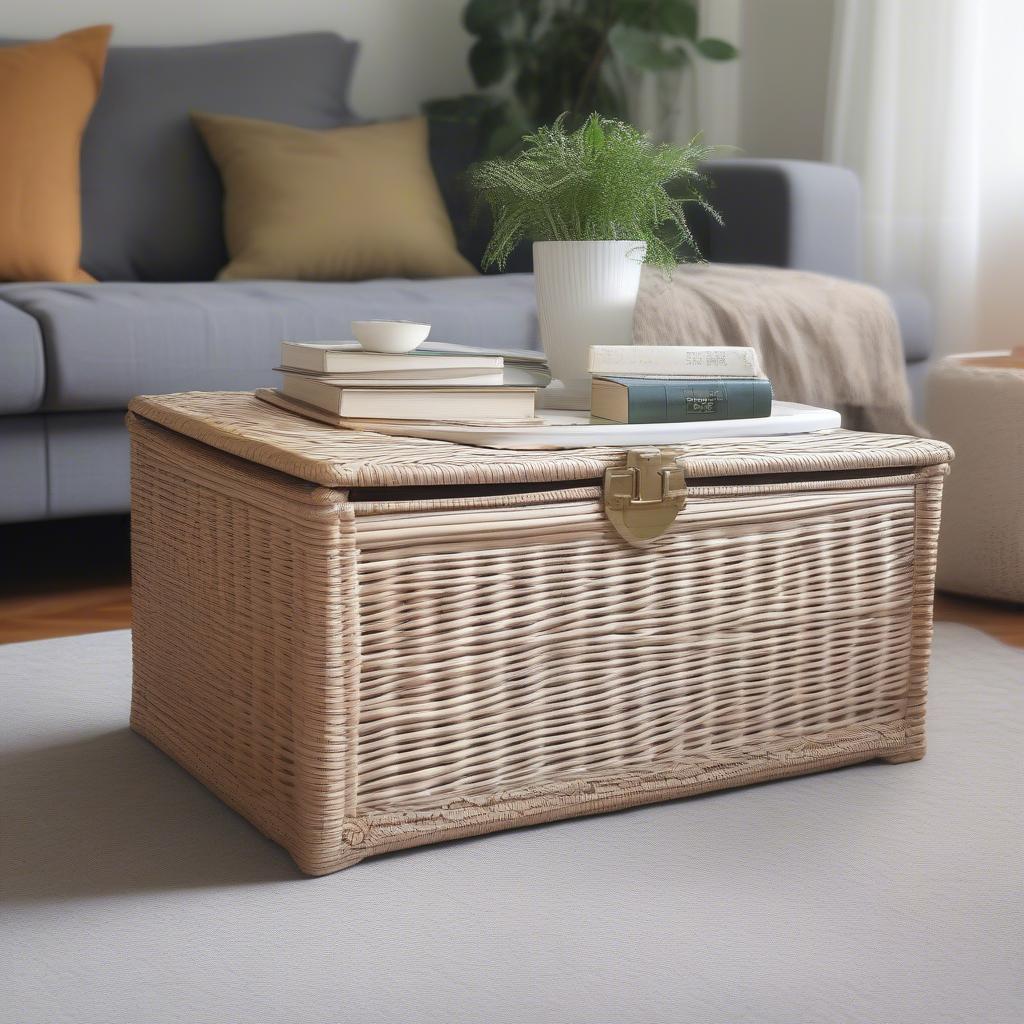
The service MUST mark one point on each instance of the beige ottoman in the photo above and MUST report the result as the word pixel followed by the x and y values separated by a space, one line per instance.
pixel 976 403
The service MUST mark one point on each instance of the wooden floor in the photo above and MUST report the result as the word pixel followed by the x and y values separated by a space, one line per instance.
pixel 73 576
pixel 65 577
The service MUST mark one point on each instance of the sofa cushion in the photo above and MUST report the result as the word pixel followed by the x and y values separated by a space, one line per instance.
pixel 347 204
pixel 107 342
pixel 151 198
pixel 47 92
pixel 21 361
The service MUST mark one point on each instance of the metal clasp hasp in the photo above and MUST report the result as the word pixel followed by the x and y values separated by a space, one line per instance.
pixel 643 498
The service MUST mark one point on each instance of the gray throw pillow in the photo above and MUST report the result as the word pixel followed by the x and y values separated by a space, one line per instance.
pixel 151 197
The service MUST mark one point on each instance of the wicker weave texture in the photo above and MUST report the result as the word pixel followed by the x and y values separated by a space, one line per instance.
pixel 257 432
pixel 360 676
pixel 245 648
pixel 517 646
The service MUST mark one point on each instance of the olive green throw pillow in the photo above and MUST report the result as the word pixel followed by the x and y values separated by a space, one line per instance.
pixel 339 205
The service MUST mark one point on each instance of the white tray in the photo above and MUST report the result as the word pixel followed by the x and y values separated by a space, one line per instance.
pixel 565 429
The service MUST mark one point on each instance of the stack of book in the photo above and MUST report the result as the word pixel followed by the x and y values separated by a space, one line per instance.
pixel 435 384
pixel 676 384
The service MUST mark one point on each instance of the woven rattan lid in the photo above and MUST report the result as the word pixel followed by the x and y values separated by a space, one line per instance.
pixel 238 423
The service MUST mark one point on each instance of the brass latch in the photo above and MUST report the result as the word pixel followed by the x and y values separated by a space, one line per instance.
pixel 643 498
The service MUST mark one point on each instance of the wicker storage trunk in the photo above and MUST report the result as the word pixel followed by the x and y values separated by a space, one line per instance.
pixel 364 643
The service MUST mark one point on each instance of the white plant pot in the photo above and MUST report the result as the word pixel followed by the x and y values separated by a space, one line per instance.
pixel 586 293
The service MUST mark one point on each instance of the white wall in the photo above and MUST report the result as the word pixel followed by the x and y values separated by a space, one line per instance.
pixel 784 71
pixel 411 49
pixel 770 103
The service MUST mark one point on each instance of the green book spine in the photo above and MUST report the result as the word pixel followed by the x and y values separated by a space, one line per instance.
pixel 690 401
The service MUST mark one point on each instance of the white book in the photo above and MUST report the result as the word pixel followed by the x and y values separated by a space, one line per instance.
pixel 673 361
pixel 407 379
pixel 412 403
pixel 347 357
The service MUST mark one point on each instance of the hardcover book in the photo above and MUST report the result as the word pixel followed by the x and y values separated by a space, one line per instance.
pixel 406 378
pixel 348 357
pixel 647 400
pixel 673 361
pixel 411 403
pixel 511 367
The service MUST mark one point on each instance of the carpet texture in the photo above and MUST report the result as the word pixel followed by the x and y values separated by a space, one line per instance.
pixel 888 893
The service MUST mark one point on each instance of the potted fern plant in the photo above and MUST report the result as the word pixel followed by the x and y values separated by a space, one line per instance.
pixel 596 204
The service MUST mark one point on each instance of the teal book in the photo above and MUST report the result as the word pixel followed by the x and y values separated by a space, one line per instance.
pixel 677 400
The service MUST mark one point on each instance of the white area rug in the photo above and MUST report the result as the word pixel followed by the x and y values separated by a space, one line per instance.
pixel 878 893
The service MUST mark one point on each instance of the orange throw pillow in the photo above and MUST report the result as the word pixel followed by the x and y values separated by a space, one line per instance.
pixel 47 92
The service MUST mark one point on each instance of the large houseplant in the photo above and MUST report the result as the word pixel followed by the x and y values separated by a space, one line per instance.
pixel 532 59
pixel 597 204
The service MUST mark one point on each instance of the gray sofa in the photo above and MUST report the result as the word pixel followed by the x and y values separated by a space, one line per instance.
pixel 71 356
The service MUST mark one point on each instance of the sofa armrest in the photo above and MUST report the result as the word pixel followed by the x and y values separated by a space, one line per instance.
pixel 783 213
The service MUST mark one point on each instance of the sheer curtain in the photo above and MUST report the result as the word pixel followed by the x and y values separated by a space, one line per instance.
pixel 926 104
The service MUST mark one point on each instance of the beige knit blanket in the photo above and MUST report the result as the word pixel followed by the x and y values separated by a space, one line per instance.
pixel 821 340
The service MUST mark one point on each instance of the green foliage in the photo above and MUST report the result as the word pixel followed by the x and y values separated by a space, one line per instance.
pixel 538 58
pixel 716 49
pixel 642 49
pixel 605 180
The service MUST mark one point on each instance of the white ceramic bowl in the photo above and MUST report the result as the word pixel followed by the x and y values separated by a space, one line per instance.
pixel 389 335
